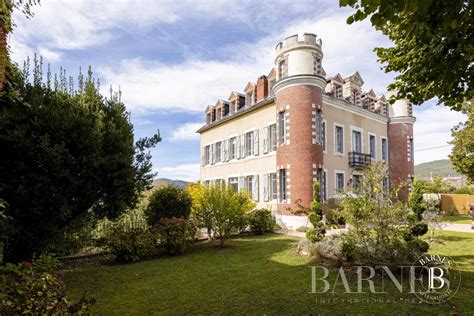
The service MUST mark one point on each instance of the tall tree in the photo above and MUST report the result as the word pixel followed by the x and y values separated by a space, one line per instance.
pixel 433 46
pixel 66 156
pixel 462 153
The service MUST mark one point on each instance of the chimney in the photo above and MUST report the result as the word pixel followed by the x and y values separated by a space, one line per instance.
pixel 262 88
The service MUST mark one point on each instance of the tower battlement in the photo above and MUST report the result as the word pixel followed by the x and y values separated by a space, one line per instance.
pixel 292 42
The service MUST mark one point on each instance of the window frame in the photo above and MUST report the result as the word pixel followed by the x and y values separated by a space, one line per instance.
pixel 343 145
pixel 283 193
pixel 281 128
pixel 336 173
pixel 384 149
pixel 374 157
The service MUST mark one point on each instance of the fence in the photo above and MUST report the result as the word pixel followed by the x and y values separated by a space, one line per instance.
pixel 458 204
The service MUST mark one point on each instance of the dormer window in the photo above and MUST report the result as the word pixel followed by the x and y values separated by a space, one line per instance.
pixel 271 83
pixel 226 109
pixel 338 91
pixel 355 97
pixel 249 99
pixel 208 118
pixel 213 115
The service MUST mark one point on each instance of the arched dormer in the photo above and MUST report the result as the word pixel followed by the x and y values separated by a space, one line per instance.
pixel 249 94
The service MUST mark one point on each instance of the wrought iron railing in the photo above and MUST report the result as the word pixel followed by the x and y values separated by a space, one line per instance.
pixel 359 160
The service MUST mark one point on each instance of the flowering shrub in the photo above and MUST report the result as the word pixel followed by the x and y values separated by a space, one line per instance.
pixel 131 245
pixel 175 234
pixel 260 221
pixel 25 289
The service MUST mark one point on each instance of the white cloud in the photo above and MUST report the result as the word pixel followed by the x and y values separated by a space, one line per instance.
pixel 186 132
pixel 433 129
pixel 186 172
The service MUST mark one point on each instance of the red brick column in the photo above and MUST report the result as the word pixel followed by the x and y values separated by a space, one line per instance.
pixel 401 168
pixel 300 153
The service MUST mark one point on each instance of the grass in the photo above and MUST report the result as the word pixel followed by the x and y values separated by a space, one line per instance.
pixel 254 275
pixel 457 219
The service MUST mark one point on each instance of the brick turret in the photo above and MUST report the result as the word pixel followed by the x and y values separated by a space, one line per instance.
pixel 400 142
pixel 298 95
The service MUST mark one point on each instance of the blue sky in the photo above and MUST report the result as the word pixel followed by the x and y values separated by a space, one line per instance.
pixel 172 58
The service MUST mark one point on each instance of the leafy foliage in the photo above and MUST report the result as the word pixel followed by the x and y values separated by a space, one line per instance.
pixel 462 152
pixel 261 221
pixel 221 210
pixel 315 217
pixel 381 227
pixel 69 156
pixel 132 245
pixel 167 202
pixel 433 46
pixel 175 234
pixel 32 288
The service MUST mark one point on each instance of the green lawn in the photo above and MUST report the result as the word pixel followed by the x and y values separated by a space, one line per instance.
pixel 254 275
pixel 457 219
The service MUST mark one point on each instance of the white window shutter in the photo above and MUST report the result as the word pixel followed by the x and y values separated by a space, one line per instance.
pixel 213 153
pixel 266 188
pixel 203 156
pixel 255 142
pixel 255 188
pixel 224 150
pixel 243 146
pixel 265 139
pixel 241 183
pixel 238 147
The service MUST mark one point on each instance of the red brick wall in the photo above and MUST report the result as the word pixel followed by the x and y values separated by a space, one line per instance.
pixel 400 168
pixel 262 88
pixel 301 153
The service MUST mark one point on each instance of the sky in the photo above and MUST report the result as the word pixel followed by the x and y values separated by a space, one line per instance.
pixel 172 58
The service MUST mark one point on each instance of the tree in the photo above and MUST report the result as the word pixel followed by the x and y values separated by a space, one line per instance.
pixel 462 153
pixel 223 210
pixel 67 155
pixel 315 216
pixel 415 200
pixel 167 202
pixel 433 46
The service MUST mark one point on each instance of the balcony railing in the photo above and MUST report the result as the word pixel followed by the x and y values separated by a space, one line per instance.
pixel 359 160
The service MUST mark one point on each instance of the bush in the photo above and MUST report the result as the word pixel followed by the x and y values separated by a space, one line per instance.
pixel 26 289
pixel 222 210
pixel 175 234
pixel 261 221
pixel 315 216
pixel 46 263
pixel 419 229
pixel 167 202
pixel 132 245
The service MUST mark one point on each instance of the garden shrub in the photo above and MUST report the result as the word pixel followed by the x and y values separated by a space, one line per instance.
pixel 330 247
pixel 315 216
pixel 382 230
pixel 26 289
pixel 132 245
pixel 167 202
pixel 222 210
pixel 175 234
pixel 261 221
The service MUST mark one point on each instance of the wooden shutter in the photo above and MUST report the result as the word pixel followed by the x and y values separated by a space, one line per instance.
pixel 266 188
pixel 265 139
pixel 213 153
pixel 255 195
pixel 203 156
pixel 243 146
pixel 238 147
pixel 255 142
pixel 241 183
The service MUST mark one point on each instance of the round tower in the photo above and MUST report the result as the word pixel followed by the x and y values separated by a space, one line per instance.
pixel 400 143
pixel 298 96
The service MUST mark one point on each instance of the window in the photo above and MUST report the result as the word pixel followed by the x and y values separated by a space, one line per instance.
pixel 356 141
pixel 218 151
pixel 234 183
pixel 319 127
pixel 249 183
pixel 272 137
pixel 411 154
pixel 339 182
pixel 249 99
pixel 282 184
pixel 249 144
pixel 281 128
pixel 324 136
pixel 372 146
pixel 273 186
pixel 232 148
pixel 356 180
pixel 339 138
pixel 384 149
pixel 338 91
pixel 385 186
pixel 207 154
pixel 322 184
pixel 281 69
pixel 206 183
pixel 226 109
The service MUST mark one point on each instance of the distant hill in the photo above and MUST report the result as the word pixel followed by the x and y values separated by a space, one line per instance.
pixel 442 168
pixel 164 181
